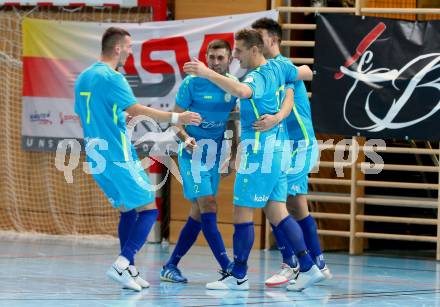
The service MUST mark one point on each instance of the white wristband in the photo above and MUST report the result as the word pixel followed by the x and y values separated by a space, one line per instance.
pixel 174 118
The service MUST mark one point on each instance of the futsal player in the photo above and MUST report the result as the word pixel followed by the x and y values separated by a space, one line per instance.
pixel 304 157
pixel 261 180
pixel 101 96
pixel 201 169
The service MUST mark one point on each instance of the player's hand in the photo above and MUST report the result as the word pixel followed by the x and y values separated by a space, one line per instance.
pixel 266 122
pixel 196 68
pixel 190 144
pixel 189 118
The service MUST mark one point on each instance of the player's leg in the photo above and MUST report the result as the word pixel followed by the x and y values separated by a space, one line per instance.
pixel 136 192
pixel 243 239
pixel 277 214
pixel 251 190
pixel 126 221
pixel 298 207
pixel 297 203
pixel 208 208
pixel 289 269
pixel 187 237
pixel 120 275
pixel 190 231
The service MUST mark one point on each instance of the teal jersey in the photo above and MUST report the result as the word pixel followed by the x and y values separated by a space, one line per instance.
pixel 212 103
pixel 101 96
pixel 266 81
pixel 299 122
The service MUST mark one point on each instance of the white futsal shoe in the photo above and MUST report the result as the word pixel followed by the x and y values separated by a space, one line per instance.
pixel 119 272
pixel 306 279
pixel 229 282
pixel 285 275
pixel 326 272
pixel 137 277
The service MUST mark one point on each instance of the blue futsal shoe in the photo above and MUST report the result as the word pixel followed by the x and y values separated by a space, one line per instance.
pixel 171 273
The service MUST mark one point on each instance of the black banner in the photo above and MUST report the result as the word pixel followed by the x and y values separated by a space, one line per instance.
pixel 377 77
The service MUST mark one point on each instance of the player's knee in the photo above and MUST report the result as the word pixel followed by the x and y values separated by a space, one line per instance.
pixel 297 207
pixel 243 215
pixel 195 212
pixel 207 204
pixel 276 212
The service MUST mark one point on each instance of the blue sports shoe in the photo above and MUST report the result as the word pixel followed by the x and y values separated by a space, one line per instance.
pixel 171 273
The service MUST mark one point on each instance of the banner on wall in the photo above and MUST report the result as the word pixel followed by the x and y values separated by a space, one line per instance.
pixel 55 52
pixel 377 77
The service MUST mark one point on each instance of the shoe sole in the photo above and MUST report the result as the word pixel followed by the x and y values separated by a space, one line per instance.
pixel 307 285
pixel 172 281
pixel 115 278
pixel 124 287
pixel 276 284
pixel 228 289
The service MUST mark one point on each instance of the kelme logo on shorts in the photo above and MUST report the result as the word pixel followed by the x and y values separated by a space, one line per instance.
pixel 263 198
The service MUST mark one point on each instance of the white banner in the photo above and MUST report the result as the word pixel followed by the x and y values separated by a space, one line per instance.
pixel 56 52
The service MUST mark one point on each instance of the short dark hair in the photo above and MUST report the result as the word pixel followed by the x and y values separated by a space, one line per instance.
pixel 272 27
pixel 111 37
pixel 219 44
pixel 250 38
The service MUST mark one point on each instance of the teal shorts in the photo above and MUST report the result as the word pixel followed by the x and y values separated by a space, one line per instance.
pixel 260 178
pixel 199 180
pixel 303 160
pixel 126 183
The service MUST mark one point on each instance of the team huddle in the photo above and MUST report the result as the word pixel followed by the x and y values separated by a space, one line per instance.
pixel 276 152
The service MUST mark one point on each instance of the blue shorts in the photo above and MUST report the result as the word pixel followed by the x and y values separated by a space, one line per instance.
pixel 302 162
pixel 126 185
pixel 260 178
pixel 198 180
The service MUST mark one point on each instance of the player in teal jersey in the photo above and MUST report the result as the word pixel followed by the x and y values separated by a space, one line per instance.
pixel 304 156
pixel 261 180
pixel 102 95
pixel 200 170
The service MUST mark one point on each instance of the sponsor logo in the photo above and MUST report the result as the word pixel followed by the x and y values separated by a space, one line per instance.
pixel 68 118
pixel 239 283
pixel 263 198
pixel 211 125
pixel 41 118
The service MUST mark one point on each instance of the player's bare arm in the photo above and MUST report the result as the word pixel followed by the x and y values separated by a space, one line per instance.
pixel 235 88
pixel 304 73
pixel 185 118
